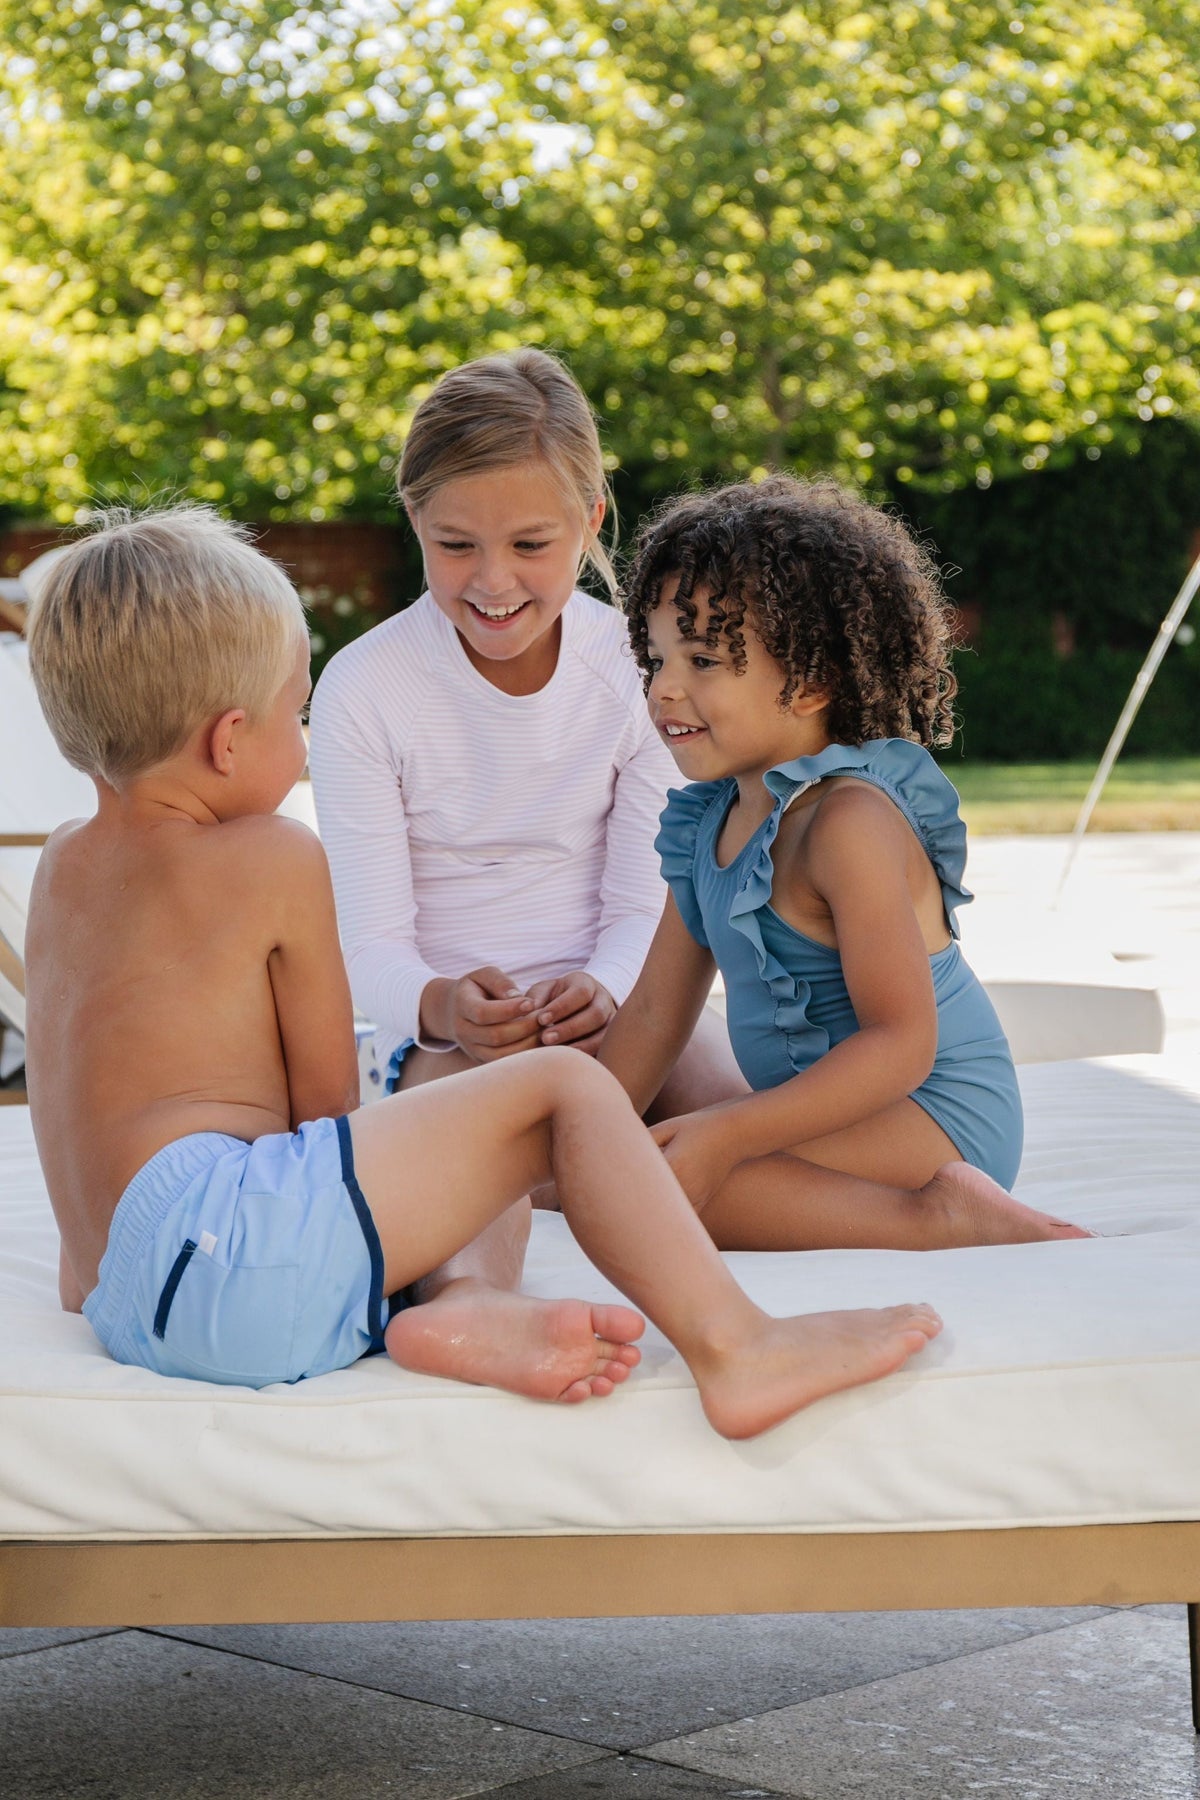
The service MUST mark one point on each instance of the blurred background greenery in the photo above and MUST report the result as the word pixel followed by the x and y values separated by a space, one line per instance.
pixel 948 252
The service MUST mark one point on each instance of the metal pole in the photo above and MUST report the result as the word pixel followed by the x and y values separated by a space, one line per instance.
pixel 1129 712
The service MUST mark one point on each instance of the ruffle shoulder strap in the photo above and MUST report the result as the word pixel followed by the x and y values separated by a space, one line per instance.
pixel 908 775
pixel 678 827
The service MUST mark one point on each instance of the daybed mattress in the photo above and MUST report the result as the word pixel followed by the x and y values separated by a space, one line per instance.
pixel 1065 1389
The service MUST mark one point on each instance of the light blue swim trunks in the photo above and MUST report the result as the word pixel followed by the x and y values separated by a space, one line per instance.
pixel 244 1263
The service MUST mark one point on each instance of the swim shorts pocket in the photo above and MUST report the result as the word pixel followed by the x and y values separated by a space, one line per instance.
pixel 227 1324
pixel 162 1311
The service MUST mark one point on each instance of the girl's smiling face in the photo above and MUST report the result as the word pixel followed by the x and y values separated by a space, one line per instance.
pixel 718 719
pixel 502 556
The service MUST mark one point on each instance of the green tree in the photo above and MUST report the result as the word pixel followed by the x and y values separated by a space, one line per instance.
pixel 236 238
pixel 914 243
pixel 933 240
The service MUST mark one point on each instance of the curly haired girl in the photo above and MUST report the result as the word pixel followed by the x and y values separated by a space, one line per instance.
pixel 795 647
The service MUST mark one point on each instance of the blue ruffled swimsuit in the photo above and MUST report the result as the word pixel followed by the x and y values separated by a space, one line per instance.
pixel 786 994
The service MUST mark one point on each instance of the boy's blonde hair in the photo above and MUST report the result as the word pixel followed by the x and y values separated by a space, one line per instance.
pixel 498 412
pixel 151 625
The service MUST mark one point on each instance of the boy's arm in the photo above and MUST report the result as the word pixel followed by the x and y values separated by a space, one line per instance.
pixel 308 980
pixel 653 1027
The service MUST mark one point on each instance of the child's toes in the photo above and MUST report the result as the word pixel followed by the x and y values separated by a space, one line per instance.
pixel 618 1323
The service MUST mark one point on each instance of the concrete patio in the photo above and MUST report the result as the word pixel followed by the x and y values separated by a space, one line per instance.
pixel 928 1706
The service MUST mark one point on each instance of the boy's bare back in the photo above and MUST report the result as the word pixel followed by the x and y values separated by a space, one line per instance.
pixel 182 976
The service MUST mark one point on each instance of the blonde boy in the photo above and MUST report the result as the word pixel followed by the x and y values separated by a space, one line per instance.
pixel 225 1213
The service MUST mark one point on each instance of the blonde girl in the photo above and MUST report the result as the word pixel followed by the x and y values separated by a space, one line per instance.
pixel 487 780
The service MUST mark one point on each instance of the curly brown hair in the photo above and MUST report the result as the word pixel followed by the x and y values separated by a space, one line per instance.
pixel 840 594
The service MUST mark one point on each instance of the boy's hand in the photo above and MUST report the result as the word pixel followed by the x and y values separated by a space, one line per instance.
pixel 697 1148
pixel 572 1009
pixel 488 1016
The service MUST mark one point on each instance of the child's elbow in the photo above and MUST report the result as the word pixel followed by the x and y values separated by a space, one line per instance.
pixel 922 1053
pixel 325 1100
pixel 911 1052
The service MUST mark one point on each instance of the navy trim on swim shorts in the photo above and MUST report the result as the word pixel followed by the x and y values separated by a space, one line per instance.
pixel 367 1225
pixel 163 1309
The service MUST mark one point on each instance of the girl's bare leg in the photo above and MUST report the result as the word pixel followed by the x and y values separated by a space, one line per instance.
pixel 893 1182
pixel 439 1163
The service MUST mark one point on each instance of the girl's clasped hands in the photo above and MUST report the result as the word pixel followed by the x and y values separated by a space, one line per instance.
pixel 487 1015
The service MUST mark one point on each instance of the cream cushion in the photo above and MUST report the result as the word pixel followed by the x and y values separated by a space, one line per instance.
pixel 1065 1389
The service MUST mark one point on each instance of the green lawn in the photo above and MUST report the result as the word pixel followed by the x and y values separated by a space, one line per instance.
pixel 1141 795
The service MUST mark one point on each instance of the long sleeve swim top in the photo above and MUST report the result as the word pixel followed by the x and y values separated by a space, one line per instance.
pixel 465 826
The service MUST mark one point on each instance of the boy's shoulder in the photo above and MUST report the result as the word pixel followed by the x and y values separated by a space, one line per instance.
pixel 249 864
pixel 261 878
pixel 261 846
pixel 266 875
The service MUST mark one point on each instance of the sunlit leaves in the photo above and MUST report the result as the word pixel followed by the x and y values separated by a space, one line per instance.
pixel 930 242
pixel 882 216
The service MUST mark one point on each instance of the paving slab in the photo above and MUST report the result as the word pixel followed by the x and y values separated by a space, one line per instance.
pixel 19 1640
pixel 625 1682
pixel 1100 1708
pixel 134 1716
pixel 633 1778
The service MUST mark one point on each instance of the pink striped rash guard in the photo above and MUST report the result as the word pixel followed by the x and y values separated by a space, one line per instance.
pixel 465 826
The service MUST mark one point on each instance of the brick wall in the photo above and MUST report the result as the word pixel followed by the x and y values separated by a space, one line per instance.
pixel 371 564
pixel 340 558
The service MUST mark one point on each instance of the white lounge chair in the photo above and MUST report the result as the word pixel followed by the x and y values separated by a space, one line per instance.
pixel 38 790
pixel 14 906
pixel 1058 988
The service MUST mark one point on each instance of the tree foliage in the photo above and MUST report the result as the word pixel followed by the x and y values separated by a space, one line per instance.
pixel 918 243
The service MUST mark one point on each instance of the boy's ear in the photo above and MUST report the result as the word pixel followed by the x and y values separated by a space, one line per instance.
pixel 219 740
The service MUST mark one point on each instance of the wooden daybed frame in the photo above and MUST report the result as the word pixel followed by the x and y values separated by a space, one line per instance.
pixel 261 1581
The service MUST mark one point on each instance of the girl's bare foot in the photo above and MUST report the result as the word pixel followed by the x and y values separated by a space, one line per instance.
pixel 563 1350
pixel 792 1362
pixel 977 1210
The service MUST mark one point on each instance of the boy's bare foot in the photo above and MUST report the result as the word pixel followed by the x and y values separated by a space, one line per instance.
pixel 562 1350
pixel 977 1210
pixel 793 1362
